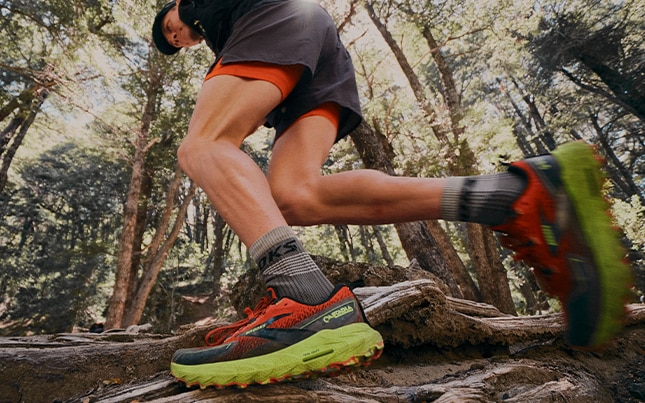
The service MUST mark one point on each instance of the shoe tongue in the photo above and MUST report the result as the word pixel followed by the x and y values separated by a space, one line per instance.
pixel 273 293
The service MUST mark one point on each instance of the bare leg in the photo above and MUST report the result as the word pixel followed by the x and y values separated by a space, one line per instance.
pixel 229 109
pixel 355 197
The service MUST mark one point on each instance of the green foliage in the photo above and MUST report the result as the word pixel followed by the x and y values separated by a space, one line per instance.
pixel 60 217
pixel 58 239
pixel 630 216
pixel 42 36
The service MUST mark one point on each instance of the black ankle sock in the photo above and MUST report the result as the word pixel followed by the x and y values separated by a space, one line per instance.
pixel 286 267
pixel 484 199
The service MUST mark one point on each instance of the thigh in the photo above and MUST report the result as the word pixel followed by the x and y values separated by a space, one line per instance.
pixel 299 153
pixel 231 108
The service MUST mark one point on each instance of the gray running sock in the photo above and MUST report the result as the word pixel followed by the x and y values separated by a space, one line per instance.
pixel 484 199
pixel 286 267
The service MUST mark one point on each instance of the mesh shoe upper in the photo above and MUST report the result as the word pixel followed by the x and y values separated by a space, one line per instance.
pixel 542 232
pixel 276 324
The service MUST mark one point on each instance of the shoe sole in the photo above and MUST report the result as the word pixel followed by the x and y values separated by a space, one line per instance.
pixel 329 352
pixel 582 178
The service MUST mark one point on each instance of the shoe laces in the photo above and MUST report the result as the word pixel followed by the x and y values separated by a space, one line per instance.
pixel 217 336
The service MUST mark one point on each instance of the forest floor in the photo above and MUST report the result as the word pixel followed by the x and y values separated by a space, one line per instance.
pixel 438 349
pixel 548 372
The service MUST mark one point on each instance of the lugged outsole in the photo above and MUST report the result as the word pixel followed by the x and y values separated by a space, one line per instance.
pixel 581 168
pixel 329 352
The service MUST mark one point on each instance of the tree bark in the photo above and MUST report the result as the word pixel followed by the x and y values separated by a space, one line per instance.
pixel 621 175
pixel 626 90
pixel 139 234
pixel 415 84
pixel 464 281
pixel 25 98
pixel 345 242
pixel 21 123
pixel 219 251
pixel 493 281
pixel 117 304
pixel 383 245
pixel 159 248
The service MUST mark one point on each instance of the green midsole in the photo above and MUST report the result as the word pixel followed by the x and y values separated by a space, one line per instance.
pixel 329 346
pixel 582 179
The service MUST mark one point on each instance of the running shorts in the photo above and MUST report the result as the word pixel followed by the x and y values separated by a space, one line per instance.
pixel 291 34
pixel 285 77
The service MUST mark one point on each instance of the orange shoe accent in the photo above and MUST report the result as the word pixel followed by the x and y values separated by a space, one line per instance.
pixel 283 339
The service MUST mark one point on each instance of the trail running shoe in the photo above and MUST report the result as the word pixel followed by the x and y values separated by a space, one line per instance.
pixel 562 228
pixel 283 339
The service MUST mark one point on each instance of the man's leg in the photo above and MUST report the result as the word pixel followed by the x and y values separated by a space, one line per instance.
pixel 306 197
pixel 306 325
pixel 227 111
pixel 549 208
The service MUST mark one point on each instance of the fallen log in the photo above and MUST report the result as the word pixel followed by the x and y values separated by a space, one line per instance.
pixel 425 333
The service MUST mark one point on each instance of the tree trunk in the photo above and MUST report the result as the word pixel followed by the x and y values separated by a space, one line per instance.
pixel 415 84
pixel 493 281
pixel 345 242
pixel 159 248
pixel 368 245
pixel 625 89
pixel 219 250
pixel 545 141
pixel 124 274
pixel 621 175
pixel 139 234
pixel 25 98
pixel 426 253
pixel 462 277
pixel 117 304
pixel 21 123
pixel 383 245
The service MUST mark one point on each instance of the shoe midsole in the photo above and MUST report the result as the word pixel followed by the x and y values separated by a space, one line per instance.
pixel 582 179
pixel 328 346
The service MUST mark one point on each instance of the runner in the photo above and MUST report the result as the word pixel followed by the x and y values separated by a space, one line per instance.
pixel 280 63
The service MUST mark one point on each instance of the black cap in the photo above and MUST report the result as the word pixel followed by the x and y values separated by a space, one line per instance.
pixel 157 34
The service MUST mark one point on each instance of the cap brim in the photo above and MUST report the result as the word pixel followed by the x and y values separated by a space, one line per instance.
pixel 157 34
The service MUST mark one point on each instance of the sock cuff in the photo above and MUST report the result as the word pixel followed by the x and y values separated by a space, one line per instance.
pixel 450 198
pixel 268 240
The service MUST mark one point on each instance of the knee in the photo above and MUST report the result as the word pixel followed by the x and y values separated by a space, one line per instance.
pixel 186 155
pixel 200 156
pixel 298 204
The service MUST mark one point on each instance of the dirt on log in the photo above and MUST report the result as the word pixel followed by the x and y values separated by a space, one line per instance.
pixel 438 349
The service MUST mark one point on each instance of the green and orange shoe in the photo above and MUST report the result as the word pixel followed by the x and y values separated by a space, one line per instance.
pixel 281 340
pixel 563 230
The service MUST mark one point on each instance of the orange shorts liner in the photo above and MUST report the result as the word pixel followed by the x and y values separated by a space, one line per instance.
pixel 285 77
